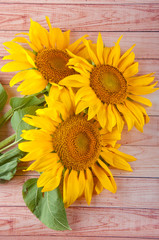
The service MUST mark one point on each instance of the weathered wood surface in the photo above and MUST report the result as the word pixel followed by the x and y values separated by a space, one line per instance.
pixel 85 221
pixel 67 238
pixel 133 212
pixel 108 17
pixel 79 1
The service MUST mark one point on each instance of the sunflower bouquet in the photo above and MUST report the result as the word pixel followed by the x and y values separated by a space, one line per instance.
pixel 78 97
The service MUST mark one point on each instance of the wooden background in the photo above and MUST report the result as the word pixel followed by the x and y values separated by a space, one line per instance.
pixel 133 212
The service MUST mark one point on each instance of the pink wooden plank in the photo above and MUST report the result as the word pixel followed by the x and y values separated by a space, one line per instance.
pixel 131 193
pixel 84 222
pixel 150 136
pixel 146 43
pixel 127 17
pixel 80 1
pixel 65 238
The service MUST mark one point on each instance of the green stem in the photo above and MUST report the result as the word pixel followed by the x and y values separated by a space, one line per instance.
pixel 6 141
pixel 12 144
pixel 6 117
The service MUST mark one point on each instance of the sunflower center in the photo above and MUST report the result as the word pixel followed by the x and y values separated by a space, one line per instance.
pixel 52 64
pixel 109 84
pixel 77 142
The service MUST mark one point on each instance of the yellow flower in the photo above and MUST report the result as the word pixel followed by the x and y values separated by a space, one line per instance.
pixel 70 150
pixel 108 87
pixel 45 62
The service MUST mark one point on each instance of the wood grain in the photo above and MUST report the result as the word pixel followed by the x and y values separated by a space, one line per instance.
pixel 127 17
pixel 67 238
pixel 79 1
pixel 133 212
pixel 131 193
pixel 85 222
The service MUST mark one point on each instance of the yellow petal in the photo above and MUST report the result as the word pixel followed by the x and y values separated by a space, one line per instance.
pixel 66 39
pixel 89 184
pixel 72 187
pixel 106 52
pixel 94 109
pixel 38 35
pixel 141 100
pixel 100 48
pixel 115 161
pixel 103 178
pixel 54 182
pixel 127 157
pixel 125 54
pixel 108 172
pixel 44 178
pixel 111 120
pixel 44 163
pixel 75 80
pixel 101 115
pixel 108 138
pixel 18 78
pixel 127 116
pixel 15 66
pixel 40 122
pixel 81 106
pixel 32 86
pixel 65 180
pixel 59 39
pixel 98 187
pixel 131 70
pixel 81 182
pixel 36 134
pixel 142 109
pixel 141 80
pixel 119 120
pixel 139 90
pixel 85 93
pixel 135 110
pixel 115 53
pixel 75 60
pixel 128 61
pixel 74 46
pixel 36 145
pixel 24 40
pixel 91 53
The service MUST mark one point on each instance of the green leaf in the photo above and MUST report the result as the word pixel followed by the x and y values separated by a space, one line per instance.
pixel 48 207
pixel 18 124
pixel 9 162
pixel 18 103
pixel 3 97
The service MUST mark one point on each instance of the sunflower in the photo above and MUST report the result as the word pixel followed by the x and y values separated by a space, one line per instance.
pixel 45 61
pixel 108 88
pixel 70 150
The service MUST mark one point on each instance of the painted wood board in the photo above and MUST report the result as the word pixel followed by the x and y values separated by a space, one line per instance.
pixel 127 17
pixel 133 212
